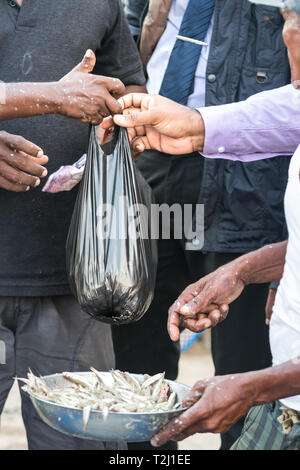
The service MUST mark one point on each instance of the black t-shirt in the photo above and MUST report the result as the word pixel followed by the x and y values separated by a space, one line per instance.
pixel 42 41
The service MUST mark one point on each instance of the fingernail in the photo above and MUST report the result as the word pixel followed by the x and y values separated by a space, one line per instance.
pixel 45 173
pixel 37 182
pixel 40 154
pixel 89 53
pixel 155 441
pixel 267 322
pixel 27 189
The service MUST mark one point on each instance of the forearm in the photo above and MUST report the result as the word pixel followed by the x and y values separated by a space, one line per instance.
pixel 273 383
pixel 263 265
pixel 133 11
pixel 28 99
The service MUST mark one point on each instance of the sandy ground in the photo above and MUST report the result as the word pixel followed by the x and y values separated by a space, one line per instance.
pixel 194 364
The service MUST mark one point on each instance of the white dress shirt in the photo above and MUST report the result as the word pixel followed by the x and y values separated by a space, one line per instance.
pixel 158 63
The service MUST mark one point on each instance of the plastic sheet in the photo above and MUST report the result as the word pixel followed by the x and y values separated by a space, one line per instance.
pixel 111 258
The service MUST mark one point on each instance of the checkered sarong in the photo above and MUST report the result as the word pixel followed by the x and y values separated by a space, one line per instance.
pixel 264 431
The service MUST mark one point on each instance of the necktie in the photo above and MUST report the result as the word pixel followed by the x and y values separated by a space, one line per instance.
pixel 178 82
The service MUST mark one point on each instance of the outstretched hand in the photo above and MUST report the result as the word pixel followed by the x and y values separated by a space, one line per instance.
pixel 214 406
pixel 155 122
pixel 88 97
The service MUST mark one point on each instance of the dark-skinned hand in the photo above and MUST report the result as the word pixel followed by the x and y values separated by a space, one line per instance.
pixel 21 163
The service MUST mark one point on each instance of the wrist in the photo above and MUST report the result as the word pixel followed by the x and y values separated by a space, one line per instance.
pixel 197 131
pixel 244 266
pixel 238 269
pixel 252 385
pixel 55 95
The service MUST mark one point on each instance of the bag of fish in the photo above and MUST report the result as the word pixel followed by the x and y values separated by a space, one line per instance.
pixel 111 256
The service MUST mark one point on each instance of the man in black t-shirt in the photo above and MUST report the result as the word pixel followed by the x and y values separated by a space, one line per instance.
pixel 41 324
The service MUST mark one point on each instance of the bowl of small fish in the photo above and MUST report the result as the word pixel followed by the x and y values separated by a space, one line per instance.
pixel 107 406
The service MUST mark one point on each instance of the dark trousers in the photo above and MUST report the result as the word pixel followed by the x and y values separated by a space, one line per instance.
pixel 239 344
pixel 50 335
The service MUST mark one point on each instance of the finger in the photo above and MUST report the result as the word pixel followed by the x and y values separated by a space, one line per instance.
pixel 176 426
pixel 135 100
pixel 107 122
pixel 189 293
pixel 87 64
pixel 198 304
pixel 112 104
pixel 114 86
pixel 136 118
pixel 224 309
pixel 9 186
pixel 13 154
pixel 173 324
pixel 196 326
pixel 28 164
pixel 140 131
pixel 209 320
pixel 18 143
pixel 17 177
pixel 195 394
pixel 174 317
pixel 199 427
pixel 270 305
pixel 140 144
pixel 214 317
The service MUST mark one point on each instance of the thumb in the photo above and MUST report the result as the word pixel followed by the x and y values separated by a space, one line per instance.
pixel 195 394
pixel 87 64
pixel 135 119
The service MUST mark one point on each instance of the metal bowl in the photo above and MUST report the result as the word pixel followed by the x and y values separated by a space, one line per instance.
pixel 130 427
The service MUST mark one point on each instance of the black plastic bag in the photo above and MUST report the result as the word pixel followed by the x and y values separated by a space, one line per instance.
pixel 111 257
